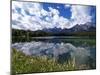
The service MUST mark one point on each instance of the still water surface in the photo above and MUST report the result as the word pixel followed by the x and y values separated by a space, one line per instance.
pixel 83 50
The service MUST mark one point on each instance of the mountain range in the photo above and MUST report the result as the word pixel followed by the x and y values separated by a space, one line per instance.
pixel 88 27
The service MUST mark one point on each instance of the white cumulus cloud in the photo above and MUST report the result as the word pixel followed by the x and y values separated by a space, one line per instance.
pixel 32 16
pixel 80 14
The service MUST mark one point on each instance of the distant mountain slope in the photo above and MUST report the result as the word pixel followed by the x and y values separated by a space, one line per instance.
pixel 87 29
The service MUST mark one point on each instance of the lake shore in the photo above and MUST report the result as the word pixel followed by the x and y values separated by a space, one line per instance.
pixel 22 63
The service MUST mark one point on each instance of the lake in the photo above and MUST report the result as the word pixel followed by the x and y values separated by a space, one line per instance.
pixel 81 49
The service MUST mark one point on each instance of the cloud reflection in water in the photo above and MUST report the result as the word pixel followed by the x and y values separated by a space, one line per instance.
pixel 61 51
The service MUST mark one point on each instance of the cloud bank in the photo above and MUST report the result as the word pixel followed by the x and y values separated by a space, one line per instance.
pixel 32 16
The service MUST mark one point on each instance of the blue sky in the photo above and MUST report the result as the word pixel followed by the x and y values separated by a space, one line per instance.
pixel 93 13
pixel 37 16
pixel 65 12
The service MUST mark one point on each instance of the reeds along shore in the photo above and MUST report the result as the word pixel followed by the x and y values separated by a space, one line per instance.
pixel 22 63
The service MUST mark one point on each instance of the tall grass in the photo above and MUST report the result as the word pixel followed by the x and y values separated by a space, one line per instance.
pixel 22 63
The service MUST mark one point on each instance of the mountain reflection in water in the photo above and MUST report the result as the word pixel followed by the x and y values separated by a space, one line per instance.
pixel 60 51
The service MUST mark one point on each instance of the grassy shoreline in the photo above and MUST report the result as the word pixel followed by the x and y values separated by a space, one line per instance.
pixel 22 63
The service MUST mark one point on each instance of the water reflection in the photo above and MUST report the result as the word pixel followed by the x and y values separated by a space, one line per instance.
pixel 61 51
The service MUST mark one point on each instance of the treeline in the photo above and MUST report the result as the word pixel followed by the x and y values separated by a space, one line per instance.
pixel 28 33
pixel 23 33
